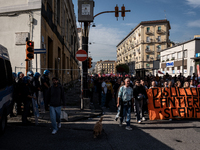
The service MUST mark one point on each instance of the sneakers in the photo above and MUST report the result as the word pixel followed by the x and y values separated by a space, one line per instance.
pixel 59 125
pixel 54 132
pixel 120 124
pixel 143 119
pixel 116 118
pixel 128 128
pixel 139 121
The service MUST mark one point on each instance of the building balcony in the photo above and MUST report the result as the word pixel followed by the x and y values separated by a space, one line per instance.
pixel 159 50
pixel 160 31
pixel 161 41
pixel 148 51
pixel 149 32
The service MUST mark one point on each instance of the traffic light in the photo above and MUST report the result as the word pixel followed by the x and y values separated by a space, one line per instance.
pixel 29 50
pixel 116 11
pixel 123 11
pixel 89 62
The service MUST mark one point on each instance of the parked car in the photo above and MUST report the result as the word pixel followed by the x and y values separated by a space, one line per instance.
pixel 6 87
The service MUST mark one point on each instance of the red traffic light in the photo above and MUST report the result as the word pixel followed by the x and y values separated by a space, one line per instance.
pixel 29 43
pixel 123 11
pixel 116 11
pixel 29 50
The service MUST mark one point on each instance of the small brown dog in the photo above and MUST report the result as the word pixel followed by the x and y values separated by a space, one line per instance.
pixel 98 127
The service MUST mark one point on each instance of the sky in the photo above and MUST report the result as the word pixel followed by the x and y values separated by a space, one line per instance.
pixel 183 16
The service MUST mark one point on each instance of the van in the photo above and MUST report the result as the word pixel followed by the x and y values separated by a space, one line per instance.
pixel 6 87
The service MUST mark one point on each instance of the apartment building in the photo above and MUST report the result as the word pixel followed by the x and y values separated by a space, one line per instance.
pixel 142 46
pixel 51 24
pixel 181 58
pixel 105 67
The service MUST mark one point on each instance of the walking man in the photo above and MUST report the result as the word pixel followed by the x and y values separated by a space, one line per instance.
pixel 56 98
pixel 139 94
pixel 125 95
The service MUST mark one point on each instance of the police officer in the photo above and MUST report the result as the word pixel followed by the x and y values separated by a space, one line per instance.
pixel 27 98
pixel 19 91
pixel 36 83
pixel 45 83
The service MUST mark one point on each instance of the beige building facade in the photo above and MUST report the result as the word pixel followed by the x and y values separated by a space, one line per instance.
pixel 105 67
pixel 142 46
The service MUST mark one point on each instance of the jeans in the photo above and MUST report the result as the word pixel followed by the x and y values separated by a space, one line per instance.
pixel 103 99
pixel 127 114
pixel 139 105
pixel 55 116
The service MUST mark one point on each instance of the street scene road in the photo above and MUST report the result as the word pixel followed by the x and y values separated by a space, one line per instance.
pixel 99 75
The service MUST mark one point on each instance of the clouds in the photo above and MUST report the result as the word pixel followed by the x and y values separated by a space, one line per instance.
pixel 104 41
pixel 193 3
pixel 190 13
pixel 195 23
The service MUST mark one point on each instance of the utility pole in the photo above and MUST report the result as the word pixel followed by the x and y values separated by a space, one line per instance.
pixel 85 63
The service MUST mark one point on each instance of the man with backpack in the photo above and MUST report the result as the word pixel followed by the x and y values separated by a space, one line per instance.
pixel 125 95
pixel 56 98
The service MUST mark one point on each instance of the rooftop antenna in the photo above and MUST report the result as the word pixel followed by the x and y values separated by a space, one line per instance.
pixel 165 15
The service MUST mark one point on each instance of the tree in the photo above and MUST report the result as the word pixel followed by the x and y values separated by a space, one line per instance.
pixel 122 68
pixel 102 71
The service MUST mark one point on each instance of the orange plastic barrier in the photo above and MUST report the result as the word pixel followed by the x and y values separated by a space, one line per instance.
pixel 169 103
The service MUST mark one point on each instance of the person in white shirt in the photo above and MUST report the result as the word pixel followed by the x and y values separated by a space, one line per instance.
pixel 103 94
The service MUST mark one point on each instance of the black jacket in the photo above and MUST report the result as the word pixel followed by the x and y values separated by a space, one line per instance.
pixel 139 89
pixel 56 96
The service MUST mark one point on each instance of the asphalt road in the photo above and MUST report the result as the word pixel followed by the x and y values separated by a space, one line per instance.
pixel 150 135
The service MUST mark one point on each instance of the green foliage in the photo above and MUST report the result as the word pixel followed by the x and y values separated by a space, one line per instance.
pixel 122 68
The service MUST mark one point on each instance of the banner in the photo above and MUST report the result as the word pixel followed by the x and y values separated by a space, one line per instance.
pixel 169 103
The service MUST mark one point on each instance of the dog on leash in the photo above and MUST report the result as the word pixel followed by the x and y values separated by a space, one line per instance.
pixel 98 127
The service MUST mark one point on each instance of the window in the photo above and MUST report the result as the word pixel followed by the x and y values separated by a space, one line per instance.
pixel 148 38
pixel 147 57
pixel 2 75
pixel 159 38
pixel 147 47
pixel 58 12
pixel 147 65
pixel 179 55
pixel 9 72
pixel 163 58
pixel 159 47
pixel 167 57
pixel 173 56
pixel 185 54
pixel 148 29
pixel 159 28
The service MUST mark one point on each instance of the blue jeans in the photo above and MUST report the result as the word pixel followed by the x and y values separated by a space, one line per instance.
pixel 127 114
pixel 103 99
pixel 55 116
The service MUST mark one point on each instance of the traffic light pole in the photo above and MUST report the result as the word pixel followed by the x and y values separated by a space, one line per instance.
pixel 85 63
pixel 103 12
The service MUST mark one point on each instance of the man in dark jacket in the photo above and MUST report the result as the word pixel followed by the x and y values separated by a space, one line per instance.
pixel 56 98
pixel 139 94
